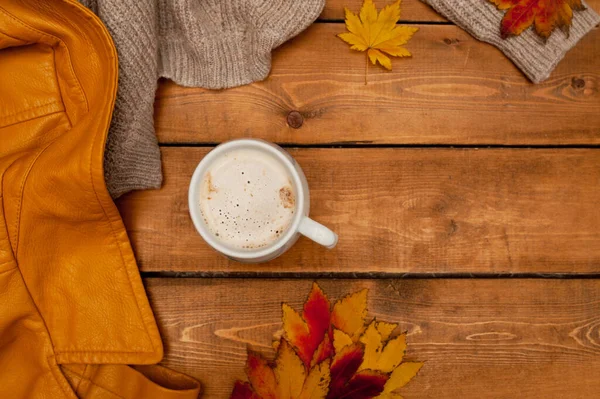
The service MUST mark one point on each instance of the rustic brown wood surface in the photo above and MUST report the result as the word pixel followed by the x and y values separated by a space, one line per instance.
pixel 503 338
pixel 404 210
pixel 385 173
pixel 454 90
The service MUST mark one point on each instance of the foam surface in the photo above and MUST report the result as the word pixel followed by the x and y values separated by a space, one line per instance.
pixel 247 199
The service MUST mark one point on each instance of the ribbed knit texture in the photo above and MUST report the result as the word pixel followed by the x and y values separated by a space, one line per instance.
pixel 206 43
pixel 528 51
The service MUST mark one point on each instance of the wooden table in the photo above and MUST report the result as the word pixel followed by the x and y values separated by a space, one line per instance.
pixel 466 199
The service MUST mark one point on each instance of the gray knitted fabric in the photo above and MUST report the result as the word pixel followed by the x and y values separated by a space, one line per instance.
pixel 206 43
pixel 528 51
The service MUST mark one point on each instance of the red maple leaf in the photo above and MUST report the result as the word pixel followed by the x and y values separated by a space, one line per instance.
pixel 307 333
pixel 364 385
pixel 344 366
pixel 243 390
pixel 545 15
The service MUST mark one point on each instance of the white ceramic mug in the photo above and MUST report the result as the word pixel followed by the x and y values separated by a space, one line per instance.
pixel 301 224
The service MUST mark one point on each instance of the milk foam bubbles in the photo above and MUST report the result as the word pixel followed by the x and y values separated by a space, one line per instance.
pixel 247 198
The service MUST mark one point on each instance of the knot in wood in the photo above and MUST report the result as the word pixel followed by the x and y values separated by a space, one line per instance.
pixel 451 41
pixel 578 83
pixel 295 119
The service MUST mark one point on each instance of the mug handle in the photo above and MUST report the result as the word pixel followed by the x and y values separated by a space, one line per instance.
pixel 318 233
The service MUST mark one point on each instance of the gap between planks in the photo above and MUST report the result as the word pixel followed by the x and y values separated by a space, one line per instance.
pixel 367 144
pixel 371 275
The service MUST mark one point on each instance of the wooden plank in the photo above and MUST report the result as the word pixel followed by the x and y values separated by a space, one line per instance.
pixel 454 90
pixel 400 210
pixel 412 10
pixel 500 338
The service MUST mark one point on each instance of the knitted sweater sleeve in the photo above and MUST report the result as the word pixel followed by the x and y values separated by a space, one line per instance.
pixel 528 51
pixel 205 43
pixel 219 44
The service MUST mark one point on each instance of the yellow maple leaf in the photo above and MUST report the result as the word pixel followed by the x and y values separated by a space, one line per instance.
pixel 373 346
pixel 377 33
pixel 317 382
pixel 392 354
pixel 289 372
pixel 349 314
pixel 399 378
pixel 340 340
pixel 377 356
pixel 385 329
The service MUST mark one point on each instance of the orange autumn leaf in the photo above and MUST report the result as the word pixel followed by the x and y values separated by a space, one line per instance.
pixel 323 351
pixel 544 15
pixel 377 33
pixel 261 376
pixel 306 332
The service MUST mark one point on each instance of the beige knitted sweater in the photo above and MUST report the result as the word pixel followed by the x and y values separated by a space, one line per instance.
pixel 536 58
pixel 206 43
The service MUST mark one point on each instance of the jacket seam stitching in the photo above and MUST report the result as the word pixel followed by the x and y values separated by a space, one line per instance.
pixel 34 118
pixel 89 380
pixel 110 223
pixel 124 264
pixel 80 379
pixel 6 227
pixel 31 109
pixel 17 227
pixel 62 99
pixel 54 366
pixel 95 371
pixel 14 38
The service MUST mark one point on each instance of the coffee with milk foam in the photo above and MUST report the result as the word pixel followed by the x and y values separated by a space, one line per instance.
pixel 247 199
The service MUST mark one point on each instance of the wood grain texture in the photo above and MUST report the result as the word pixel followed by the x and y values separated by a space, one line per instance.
pixel 401 210
pixel 412 10
pixel 507 338
pixel 454 90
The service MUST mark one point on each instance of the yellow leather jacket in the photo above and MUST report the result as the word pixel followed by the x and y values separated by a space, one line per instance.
pixel 73 311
